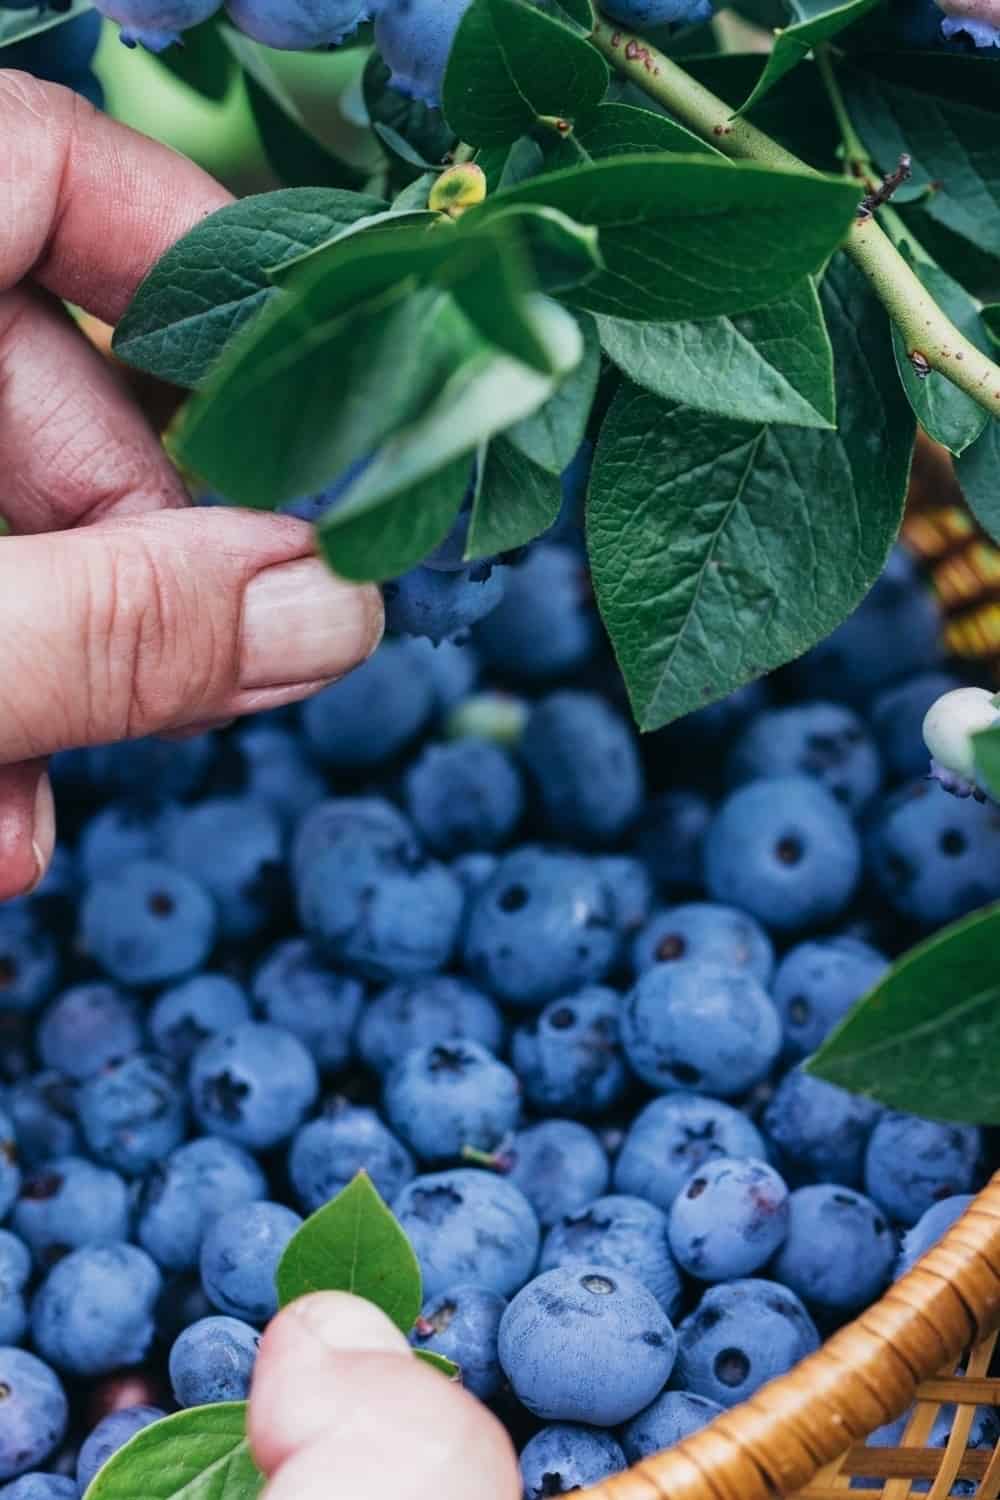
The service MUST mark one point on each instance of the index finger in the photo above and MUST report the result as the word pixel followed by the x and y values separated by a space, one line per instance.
pixel 87 204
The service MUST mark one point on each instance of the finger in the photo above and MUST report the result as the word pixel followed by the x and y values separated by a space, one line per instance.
pixel 151 623
pixel 88 205
pixel 73 447
pixel 340 1409
pixel 27 827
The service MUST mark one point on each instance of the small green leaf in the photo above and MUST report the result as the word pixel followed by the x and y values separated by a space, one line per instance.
pixel 354 1244
pixel 515 501
pixel 986 748
pixel 551 436
pixel 511 64
pixel 622 129
pixel 927 1037
pixel 18 25
pixel 978 472
pixel 204 63
pixel 817 23
pixel 578 13
pixel 990 315
pixel 440 1362
pixel 564 254
pixel 771 365
pixel 692 237
pixel 423 130
pixel 506 166
pixel 198 1454
pixel 377 543
pixel 946 414
pixel 213 281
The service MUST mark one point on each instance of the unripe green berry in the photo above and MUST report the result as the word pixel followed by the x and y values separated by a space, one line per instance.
pixel 950 723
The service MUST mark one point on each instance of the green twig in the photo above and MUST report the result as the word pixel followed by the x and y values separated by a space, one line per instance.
pixel 930 335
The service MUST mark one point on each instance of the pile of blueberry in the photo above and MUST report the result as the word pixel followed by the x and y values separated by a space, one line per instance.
pixel 551 986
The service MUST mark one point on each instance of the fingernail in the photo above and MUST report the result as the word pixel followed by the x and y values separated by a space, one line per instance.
pixel 341 1322
pixel 301 623
pixel 43 828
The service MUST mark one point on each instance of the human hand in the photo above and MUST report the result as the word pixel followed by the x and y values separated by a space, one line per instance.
pixel 341 1410
pixel 123 611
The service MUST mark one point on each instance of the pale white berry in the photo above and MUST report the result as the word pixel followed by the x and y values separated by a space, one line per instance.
pixel 950 723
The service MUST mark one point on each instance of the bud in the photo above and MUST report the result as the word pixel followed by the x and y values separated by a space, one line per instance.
pixel 950 723
pixel 459 188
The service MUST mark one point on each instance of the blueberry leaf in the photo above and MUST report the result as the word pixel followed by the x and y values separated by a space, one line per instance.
pixel 354 1244
pixel 717 553
pixel 551 436
pixel 620 129
pixel 927 1037
pixel 213 281
pixel 18 25
pixel 382 541
pixel 440 1362
pixel 986 748
pixel 422 130
pixel 198 1454
pixel 977 472
pixel 515 501
pixel 771 365
pixel 815 23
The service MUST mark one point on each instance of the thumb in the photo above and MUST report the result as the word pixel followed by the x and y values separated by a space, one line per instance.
pixel 158 622
pixel 341 1410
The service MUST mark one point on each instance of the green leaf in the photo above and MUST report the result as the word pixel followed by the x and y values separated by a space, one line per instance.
pixel 208 285
pixel 817 23
pixel 927 1037
pixel 551 436
pixel 506 166
pixel 204 63
pixel 424 130
pixel 380 542
pixel 198 1454
pixel 510 64
pixel 564 254
pixel 990 315
pixel 354 1244
pixel 978 472
pixel 986 749
pixel 18 25
pixel 772 365
pixel 722 549
pixel 515 501
pixel 685 237
pixel 579 13
pixel 622 129
pixel 796 112
pixel 946 414
pixel 440 1362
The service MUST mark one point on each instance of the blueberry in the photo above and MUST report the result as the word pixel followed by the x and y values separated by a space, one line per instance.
pixel 839 1249
pixel 373 713
pixel 672 1137
pixel 741 1334
pixel 277 771
pixel 94 1311
pixel 981 32
pixel 545 625
pixel 40 1487
pixel 544 925
pixel 705 930
pixel 453 1094
pixel 442 606
pixel 415 40
pixel 240 1255
pixel 150 768
pixel 559 1165
pixel 293 989
pixel 191 1012
pixel 583 760
pixel 464 796
pixel 110 1434
pixel 586 1344
pixel 622 1234
pixel 698 1025
pixel 43 1111
pixel 327 1153
pixel 187 1192
pixel 463 1324
pixel 86 1028
pixel 133 1113
pixel 929 1228
pixel 912 1163
pixel 897 713
pixel 121 831
pixel 156 24
pixel 467 1225
pixel 15 1272
pixel 817 983
pixel 784 850
pixel 423 1012
pixel 672 1416
pixel 148 923
pixel 253 1085
pixel 729 1218
pixel 630 888
pixel 474 870
pixel 298 25
pixel 643 14
pixel 10 1171
pixel 671 837
pixel 33 1412
pixel 235 847
pixel 345 824
pixel 823 740
pixel 68 1203
pixel 491 715
pixel 29 958
pixel 820 1129
pixel 933 856
pixel 213 1361
pixel 454 669
pixel 574 482
pixel 565 1457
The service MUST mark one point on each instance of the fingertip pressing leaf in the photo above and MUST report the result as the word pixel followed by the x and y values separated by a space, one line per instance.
pixel 440 1362
pixel 926 1038
pixel 354 1244
pixel 986 749
pixel 199 1454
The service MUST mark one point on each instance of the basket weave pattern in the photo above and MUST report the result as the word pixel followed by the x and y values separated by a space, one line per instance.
pixel 804 1433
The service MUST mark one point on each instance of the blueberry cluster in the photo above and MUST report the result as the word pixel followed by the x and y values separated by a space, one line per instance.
pixel 451 923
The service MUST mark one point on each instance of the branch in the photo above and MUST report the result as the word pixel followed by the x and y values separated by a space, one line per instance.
pixel 931 338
